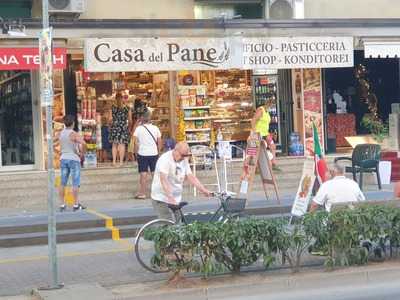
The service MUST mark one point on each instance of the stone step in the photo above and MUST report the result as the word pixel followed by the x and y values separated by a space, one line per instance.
pixel 82 227
pixel 130 184
pixel 38 182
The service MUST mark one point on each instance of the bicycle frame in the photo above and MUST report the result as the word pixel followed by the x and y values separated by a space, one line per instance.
pixel 214 216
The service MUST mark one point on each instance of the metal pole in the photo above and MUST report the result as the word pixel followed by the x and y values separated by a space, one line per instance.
pixel 52 235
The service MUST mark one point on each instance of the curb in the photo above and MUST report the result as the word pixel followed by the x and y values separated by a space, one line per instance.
pixel 262 283
pixel 233 286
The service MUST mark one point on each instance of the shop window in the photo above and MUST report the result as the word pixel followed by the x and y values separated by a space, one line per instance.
pixel 16 122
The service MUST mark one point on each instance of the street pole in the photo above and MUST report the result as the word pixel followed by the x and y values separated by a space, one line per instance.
pixel 46 97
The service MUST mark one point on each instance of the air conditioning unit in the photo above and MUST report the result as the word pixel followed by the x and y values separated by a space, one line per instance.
pixel 285 9
pixel 66 6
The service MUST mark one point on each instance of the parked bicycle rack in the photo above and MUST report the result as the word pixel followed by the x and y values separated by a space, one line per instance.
pixel 206 157
pixel 227 165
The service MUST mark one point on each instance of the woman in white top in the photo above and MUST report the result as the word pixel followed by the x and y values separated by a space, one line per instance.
pixel 148 144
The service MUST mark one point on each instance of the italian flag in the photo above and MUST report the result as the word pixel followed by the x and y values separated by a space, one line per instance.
pixel 321 167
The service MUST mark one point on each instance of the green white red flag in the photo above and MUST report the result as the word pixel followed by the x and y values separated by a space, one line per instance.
pixel 321 168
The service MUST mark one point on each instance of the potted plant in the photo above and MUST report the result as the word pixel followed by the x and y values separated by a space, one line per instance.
pixel 378 129
pixel 380 132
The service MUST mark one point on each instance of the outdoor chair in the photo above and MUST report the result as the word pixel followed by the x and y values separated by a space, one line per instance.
pixel 365 159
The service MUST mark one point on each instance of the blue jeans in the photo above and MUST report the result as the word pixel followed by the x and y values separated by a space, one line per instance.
pixel 73 168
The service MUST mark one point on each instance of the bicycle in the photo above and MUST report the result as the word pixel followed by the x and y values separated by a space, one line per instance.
pixel 229 208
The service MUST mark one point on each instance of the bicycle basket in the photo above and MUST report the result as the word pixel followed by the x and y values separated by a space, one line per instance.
pixel 235 205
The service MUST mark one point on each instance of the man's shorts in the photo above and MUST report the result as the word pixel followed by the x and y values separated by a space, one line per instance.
pixel 147 162
pixel 73 168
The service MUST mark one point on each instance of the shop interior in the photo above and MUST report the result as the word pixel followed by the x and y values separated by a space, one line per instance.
pixel 200 107
pixel 344 91
pixel 16 119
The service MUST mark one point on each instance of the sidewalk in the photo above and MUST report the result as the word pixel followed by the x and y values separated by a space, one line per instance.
pixel 256 199
pixel 123 220
pixel 142 209
pixel 243 286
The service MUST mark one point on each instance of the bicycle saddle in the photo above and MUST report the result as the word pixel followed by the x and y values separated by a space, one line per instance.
pixel 174 207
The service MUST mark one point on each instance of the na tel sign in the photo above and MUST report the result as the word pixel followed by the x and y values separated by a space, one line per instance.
pixel 29 58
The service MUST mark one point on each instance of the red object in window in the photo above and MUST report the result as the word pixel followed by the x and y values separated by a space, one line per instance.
pixel 340 126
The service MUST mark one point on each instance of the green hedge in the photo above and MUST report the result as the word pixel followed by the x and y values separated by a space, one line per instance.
pixel 210 248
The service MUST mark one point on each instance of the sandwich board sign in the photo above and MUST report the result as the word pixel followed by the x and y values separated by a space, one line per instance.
pixel 304 191
pixel 257 156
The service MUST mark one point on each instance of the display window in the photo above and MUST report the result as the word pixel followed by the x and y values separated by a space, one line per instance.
pixel 16 124
pixel 96 95
pixel 200 107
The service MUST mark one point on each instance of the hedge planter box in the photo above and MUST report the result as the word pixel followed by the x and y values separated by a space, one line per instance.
pixel 210 248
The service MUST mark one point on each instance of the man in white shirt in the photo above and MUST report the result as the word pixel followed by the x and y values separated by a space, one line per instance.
pixel 171 171
pixel 148 144
pixel 339 189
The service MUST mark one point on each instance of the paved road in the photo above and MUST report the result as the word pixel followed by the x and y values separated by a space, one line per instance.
pixel 105 262
pixel 112 263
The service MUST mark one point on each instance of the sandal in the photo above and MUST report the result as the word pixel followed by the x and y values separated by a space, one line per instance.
pixel 139 196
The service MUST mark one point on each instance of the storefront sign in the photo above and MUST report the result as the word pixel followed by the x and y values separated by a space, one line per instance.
pixel 298 52
pixel 29 58
pixel 161 54
pixel 169 54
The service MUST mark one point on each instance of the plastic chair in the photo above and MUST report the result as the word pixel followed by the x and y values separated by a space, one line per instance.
pixel 364 159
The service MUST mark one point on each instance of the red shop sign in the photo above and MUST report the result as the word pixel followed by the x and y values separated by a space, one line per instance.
pixel 29 59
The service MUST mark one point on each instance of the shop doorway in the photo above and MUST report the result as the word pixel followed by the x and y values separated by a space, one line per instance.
pixel 16 121
pixel 342 89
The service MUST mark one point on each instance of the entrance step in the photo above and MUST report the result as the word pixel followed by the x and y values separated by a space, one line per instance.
pixel 84 226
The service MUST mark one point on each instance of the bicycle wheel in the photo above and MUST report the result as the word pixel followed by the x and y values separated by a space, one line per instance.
pixel 145 249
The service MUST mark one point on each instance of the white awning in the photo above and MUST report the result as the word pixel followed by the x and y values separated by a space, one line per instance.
pixel 381 49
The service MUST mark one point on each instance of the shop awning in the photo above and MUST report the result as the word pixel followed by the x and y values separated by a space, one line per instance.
pixel 382 49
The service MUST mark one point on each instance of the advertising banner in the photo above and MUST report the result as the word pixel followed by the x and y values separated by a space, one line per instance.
pixel 29 58
pixel 312 108
pixel 303 195
pixel 161 54
pixel 46 67
pixel 297 52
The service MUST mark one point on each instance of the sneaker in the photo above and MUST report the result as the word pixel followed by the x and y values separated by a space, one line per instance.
pixel 78 207
pixel 63 207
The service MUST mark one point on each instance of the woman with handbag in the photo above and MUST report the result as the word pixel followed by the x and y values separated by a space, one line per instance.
pixel 148 144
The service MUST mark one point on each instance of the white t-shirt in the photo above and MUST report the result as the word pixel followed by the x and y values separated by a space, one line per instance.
pixel 338 190
pixel 147 145
pixel 176 173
